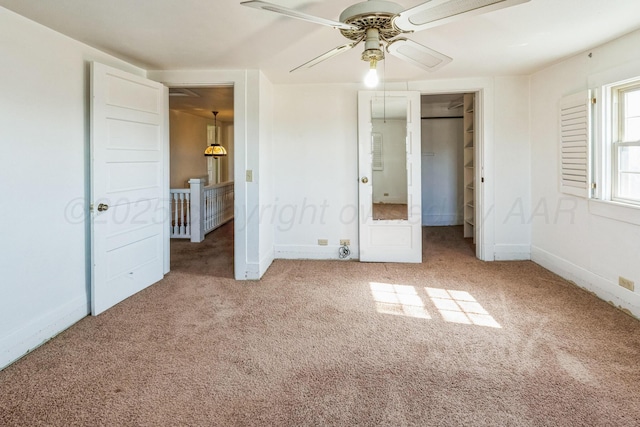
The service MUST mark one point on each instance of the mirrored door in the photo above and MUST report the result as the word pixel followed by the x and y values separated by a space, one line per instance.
pixel 389 166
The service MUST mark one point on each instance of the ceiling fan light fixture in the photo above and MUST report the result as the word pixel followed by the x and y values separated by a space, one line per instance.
pixel 381 20
pixel 371 79
pixel 372 53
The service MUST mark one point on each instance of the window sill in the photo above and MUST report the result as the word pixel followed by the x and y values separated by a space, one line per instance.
pixel 615 210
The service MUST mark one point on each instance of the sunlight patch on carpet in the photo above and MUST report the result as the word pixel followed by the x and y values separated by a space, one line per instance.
pixel 399 300
pixel 460 307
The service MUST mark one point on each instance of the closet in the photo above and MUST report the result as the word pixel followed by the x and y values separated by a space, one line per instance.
pixel 448 165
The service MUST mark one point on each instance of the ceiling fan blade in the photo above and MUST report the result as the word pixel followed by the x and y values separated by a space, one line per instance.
pixel 257 4
pixel 327 55
pixel 417 54
pixel 438 12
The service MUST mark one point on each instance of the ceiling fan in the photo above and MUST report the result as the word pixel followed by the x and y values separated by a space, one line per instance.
pixel 379 24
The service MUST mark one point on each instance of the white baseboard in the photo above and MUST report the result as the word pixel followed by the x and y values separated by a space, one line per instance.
pixel 266 261
pixel 311 252
pixel 506 252
pixel 603 288
pixel 27 338
pixel 255 270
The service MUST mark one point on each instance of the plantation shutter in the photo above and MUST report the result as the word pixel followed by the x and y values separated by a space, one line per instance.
pixel 575 136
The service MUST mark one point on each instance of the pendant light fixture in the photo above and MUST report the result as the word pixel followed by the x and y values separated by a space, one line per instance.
pixel 215 150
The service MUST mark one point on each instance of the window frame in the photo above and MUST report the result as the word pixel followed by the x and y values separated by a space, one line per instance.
pixel 617 119
pixel 601 199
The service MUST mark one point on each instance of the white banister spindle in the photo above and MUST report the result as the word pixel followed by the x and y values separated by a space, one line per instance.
pixel 187 217
pixel 180 211
pixel 219 205
pixel 197 210
pixel 181 207
pixel 174 208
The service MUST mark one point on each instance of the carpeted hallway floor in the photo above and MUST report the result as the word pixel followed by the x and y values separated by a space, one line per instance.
pixel 453 341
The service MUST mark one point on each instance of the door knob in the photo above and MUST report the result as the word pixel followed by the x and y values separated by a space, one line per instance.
pixel 364 180
pixel 102 207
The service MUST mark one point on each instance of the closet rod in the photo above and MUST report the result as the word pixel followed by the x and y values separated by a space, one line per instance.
pixel 442 117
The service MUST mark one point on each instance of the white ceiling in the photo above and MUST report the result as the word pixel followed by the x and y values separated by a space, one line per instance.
pixel 202 101
pixel 222 34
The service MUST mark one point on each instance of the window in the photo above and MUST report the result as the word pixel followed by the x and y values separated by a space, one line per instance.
pixel 625 142
pixel 614 154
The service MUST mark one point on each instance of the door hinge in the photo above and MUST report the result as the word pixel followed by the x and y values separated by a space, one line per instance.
pixel 594 185
pixel 482 179
pixel 594 100
pixel 91 207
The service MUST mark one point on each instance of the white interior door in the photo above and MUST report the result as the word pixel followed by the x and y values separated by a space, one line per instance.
pixel 128 217
pixel 390 179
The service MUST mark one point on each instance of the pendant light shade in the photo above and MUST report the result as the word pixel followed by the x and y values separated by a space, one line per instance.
pixel 215 150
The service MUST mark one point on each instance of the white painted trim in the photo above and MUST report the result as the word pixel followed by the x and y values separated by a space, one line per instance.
pixel 22 341
pixel 242 100
pixel 616 211
pixel 484 90
pixel 255 270
pixel 167 183
pixel 489 252
pixel 510 252
pixel 603 288
pixel 311 252
pixel 265 262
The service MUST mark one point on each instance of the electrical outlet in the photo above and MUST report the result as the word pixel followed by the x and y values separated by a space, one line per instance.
pixel 345 242
pixel 323 242
pixel 625 283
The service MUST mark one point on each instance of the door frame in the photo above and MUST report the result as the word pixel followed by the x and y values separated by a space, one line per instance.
pixel 245 198
pixel 484 173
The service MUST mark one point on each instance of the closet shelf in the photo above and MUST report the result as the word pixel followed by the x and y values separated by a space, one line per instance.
pixel 468 144
pixel 456 104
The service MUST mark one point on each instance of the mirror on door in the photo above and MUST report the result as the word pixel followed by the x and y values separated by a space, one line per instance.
pixel 389 158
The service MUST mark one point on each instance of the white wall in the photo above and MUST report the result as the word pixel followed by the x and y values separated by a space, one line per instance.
pixel 266 176
pixel 316 175
pixel 44 173
pixel 226 163
pixel 567 238
pixel 442 171
pixel 188 139
pixel 315 170
pixel 512 157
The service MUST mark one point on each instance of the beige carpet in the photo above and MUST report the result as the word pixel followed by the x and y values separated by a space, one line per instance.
pixel 453 341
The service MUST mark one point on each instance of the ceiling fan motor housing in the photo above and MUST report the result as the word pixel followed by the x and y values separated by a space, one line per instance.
pixel 376 14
